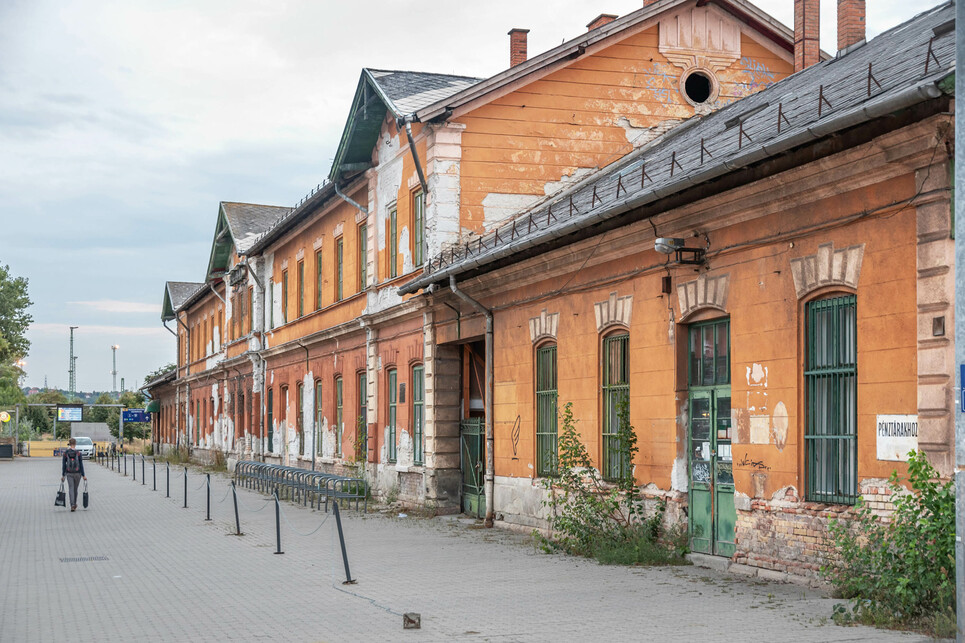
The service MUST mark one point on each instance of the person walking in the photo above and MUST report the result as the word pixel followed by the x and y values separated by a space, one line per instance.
pixel 72 469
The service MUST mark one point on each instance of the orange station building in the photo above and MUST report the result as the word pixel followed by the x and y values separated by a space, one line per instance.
pixel 661 212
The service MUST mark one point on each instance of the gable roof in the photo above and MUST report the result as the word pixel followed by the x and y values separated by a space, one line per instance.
pixel 909 64
pixel 400 93
pixel 743 10
pixel 175 294
pixel 239 225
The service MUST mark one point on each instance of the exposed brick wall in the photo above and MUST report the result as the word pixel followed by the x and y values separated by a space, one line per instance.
pixel 851 26
pixel 517 46
pixel 807 30
pixel 789 535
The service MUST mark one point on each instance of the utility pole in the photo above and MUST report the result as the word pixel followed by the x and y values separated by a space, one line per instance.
pixel 72 371
pixel 959 206
pixel 114 370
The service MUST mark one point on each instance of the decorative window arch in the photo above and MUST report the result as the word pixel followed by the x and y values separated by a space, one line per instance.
pixel 827 267
pixel 702 293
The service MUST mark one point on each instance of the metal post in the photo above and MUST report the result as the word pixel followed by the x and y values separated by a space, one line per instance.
pixel 341 541
pixel 133 467
pixel 234 496
pixel 277 523
pixel 154 472
pixel 959 206
pixel 167 472
pixel 143 479
pixel 209 499
pixel 125 465
pixel 185 487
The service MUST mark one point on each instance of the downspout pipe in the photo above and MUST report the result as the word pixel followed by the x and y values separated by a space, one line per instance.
pixel 407 122
pixel 350 200
pixel 314 428
pixel 490 460
pixel 211 286
pixel 247 264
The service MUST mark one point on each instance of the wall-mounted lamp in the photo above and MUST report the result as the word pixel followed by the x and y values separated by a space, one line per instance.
pixel 677 247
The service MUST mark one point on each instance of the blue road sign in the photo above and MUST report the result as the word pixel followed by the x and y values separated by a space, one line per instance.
pixel 136 415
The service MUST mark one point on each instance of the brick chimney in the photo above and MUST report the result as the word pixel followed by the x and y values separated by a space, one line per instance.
pixel 517 46
pixel 600 20
pixel 647 3
pixel 807 31
pixel 850 23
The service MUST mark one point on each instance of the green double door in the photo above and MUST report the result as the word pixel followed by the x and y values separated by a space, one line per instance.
pixel 712 513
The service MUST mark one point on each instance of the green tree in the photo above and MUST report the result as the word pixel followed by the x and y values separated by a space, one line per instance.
pixel 14 321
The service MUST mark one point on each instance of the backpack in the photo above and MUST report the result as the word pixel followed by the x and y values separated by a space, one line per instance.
pixel 73 461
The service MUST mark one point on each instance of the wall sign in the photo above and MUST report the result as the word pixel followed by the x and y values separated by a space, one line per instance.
pixel 897 435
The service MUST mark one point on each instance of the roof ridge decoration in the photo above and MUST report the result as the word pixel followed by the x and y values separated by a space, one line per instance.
pixel 891 72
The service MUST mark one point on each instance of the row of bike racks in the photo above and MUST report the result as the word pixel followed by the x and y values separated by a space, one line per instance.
pixel 302 485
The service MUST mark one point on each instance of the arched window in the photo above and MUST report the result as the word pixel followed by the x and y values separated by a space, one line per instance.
pixel 418 414
pixel 339 420
pixel 616 402
pixel 831 399
pixel 546 398
pixel 318 417
pixel 393 382
pixel 270 419
pixel 300 417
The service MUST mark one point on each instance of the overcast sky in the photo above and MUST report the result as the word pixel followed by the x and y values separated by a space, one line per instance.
pixel 124 123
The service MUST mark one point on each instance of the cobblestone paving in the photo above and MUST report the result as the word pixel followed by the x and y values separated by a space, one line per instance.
pixel 137 566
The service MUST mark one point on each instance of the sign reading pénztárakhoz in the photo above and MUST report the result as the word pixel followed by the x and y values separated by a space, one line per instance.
pixel 897 435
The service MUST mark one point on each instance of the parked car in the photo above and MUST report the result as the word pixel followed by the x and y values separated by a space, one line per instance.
pixel 85 446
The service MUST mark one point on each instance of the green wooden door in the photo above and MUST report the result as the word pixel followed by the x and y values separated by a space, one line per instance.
pixel 712 513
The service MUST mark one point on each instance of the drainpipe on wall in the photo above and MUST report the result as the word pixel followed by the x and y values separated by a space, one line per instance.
pixel 314 428
pixel 350 201
pixel 490 460
pixel 407 123
pixel 211 286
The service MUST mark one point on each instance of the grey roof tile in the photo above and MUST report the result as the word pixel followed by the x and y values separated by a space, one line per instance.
pixel 412 90
pixel 180 291
pixel 707 147
pixel 248 221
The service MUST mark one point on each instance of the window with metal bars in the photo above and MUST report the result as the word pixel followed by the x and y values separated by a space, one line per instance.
pixel 300 418
pixel 831 392
pixel 419 227
pixel 339 427
pixel 393 393
pixel 318 417
pixel 616 398
pixel 418 414
pixel 270 420
pixel 546 398
pixel 251 307
pixel 362 438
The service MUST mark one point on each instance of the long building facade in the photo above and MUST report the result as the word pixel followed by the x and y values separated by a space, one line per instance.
pixel 659 213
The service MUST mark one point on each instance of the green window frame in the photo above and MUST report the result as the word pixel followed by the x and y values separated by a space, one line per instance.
pixel 419 227
pixel 270 420
pixel 339 260
pixel 284 297
pixel 363 231
pixel 709 354
pixel 339 426
pixel 393 378
pixel 271 303
pixel 362 437
pixel 300 418
pixel 301 288
pixel 393 242
pixel 197 422
pixel 831 393
pixel 251 308
pixel 418 414
pixel 616 392
pixel 318 417
pixel 318 280
pixel 546 414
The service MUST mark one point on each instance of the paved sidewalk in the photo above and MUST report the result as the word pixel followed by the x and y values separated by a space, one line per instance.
pixel 137 566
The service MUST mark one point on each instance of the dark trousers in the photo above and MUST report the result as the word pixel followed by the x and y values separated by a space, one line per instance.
pixel 73 481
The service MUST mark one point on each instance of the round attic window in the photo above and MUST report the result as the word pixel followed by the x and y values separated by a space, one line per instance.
pixel 698 87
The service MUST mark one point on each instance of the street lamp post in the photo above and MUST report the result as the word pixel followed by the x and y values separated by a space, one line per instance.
pixel 114 370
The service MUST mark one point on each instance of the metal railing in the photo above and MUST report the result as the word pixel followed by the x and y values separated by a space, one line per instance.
pixel 302 485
